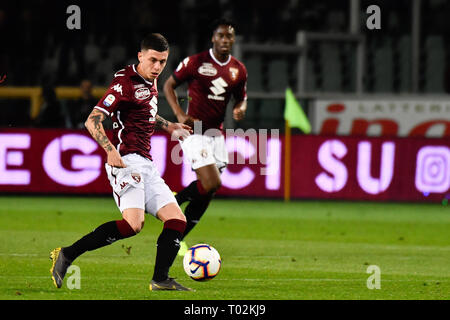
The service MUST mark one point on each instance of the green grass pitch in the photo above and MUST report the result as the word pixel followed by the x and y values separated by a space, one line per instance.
pixel 271 250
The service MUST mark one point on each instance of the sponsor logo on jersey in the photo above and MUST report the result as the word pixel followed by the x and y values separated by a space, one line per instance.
pixel 212 97
pixel 154 104
pixel 218 87
pixel 153 115
pixel 142 93
pixel 109 100
pixel 141 85
pixel 117 88
pixel 207 69
pixel 234 72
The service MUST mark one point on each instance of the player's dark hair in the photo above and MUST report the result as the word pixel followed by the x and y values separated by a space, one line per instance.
pixel 155 41
pixel 221 22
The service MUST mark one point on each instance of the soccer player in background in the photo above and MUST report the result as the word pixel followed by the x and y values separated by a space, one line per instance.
pixel 131 102
pixel 213 77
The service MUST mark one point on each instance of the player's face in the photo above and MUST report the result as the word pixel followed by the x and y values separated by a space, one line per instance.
pixel 223 39
pixel 152 63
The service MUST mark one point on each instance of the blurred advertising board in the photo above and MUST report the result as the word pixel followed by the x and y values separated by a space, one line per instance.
pixel 382 117
pixel 45 161
pixel 355 168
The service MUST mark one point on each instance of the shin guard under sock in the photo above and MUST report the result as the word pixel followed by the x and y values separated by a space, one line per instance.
pixel 103 235
pixel 192 191
pixel 187 193
pixel 194 211
pixel 168 245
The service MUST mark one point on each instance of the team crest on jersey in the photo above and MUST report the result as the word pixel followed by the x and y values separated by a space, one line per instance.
pixel 109 100
pixel 204 153
pixel 142 93
pixel 136 177
pixel 207 69
pixel 234 72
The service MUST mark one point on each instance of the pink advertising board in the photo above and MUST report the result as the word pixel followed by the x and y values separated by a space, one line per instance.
pixel 47 161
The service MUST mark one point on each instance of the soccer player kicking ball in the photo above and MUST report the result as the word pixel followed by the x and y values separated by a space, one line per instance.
pixel 131 102
pixel 213 77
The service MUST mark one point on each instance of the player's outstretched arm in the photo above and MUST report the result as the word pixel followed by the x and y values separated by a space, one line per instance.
pixel 95 128
pixel 172 99
pixel 239 110
pixel 178 131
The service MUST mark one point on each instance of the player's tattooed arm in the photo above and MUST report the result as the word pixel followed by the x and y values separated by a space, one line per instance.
pixel 95 128
pixel 162 123
pixel 178 131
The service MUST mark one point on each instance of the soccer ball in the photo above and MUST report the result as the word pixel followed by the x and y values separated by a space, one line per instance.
pixel 202 262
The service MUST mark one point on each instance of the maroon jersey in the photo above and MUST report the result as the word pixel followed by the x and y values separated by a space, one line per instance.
pixel 131 102
pixel 211 84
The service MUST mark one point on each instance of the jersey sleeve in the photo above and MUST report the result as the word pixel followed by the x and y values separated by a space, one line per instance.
pixel 240 93
pixel 185 70
pixel 113 96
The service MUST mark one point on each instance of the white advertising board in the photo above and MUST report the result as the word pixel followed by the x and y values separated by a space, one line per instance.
pixel 387 117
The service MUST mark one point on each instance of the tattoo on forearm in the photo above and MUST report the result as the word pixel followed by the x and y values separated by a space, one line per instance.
pixel 103 141
pixel 161 122
pixel 97 120
pixel 97 132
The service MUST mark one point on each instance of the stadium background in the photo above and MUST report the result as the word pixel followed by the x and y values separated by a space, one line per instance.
pixel 377 101
pixel 322 50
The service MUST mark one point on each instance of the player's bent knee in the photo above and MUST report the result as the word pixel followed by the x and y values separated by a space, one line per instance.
pixel 216 186
pixel 170 211
pixel 138 226
pixel 135 218
pixel 212 186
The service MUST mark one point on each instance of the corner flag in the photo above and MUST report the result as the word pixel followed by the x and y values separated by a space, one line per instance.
pixel 294 115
